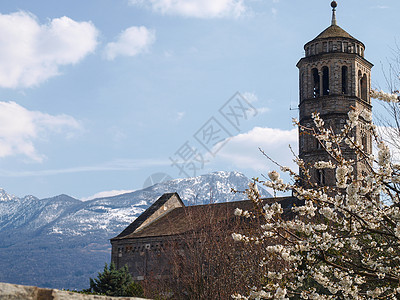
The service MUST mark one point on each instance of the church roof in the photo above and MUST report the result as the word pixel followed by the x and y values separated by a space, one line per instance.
pixel 334 31
pixel 148 213
pixel 187 219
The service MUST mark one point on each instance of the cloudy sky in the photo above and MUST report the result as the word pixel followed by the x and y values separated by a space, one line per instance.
pixel 100 95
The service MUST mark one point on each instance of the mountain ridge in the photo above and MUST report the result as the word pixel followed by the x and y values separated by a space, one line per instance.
pixel 60 241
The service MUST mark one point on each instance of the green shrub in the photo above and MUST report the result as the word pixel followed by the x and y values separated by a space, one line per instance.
pixel 115 282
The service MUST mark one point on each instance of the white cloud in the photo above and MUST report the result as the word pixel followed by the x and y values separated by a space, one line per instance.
pixel 253 98
pixel 262 110
pixel 30 53
pixel 195 8
pixel 243 150
pixel 20 128
pixel 107 194
pixel 250 96
pixel 180 115
pixel 130 42
pixel 114 165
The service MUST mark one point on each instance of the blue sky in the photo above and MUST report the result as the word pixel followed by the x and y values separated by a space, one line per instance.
pixel 98 95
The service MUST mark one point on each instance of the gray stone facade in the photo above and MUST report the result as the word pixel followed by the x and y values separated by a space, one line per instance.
pixel 143 256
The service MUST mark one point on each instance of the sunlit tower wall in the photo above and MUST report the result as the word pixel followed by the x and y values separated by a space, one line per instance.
pixel 334 77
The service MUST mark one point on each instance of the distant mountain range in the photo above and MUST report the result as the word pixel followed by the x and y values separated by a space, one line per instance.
pixel 60 242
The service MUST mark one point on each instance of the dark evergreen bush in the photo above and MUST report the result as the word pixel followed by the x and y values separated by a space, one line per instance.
pixel 115 282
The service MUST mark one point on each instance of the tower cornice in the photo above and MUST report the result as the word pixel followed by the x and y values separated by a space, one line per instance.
pixel 336 55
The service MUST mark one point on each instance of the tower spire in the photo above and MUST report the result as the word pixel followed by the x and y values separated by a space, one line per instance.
pixel 334 5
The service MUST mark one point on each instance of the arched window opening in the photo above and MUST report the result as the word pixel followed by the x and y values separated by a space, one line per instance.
pixel 316 81
pixel 359 84
pixel 365 143
pixel 325 81
pixel 344 80
pixel 320 176
pixel 364 88
pixel 318 144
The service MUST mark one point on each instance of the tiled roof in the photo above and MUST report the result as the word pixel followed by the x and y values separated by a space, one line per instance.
pixel 186 219
pixel 334 31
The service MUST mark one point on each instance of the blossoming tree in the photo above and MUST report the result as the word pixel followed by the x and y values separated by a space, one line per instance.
pixel 344 242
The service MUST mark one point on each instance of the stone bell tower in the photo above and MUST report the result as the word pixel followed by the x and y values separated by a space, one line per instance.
pixel 334 77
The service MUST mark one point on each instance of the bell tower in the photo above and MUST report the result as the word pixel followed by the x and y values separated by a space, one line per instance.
pixel 334 77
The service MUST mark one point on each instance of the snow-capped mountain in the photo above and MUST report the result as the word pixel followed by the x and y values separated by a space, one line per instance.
pixel 4 197
pixel 60 242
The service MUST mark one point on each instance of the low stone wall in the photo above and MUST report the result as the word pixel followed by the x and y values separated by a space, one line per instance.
pixel 22 292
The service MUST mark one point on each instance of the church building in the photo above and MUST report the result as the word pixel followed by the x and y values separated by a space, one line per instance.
pixel 334 78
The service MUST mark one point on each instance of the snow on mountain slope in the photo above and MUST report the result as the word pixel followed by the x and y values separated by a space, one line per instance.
pixel 64 215
pixel 69 238
pixel 30 213
pixel 6 197
pixel 112 214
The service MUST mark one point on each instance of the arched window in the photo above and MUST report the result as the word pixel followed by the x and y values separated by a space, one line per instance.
pixel 316 81
pixel 359 84
pixel 364 87
pixel 344 80
pixel 325 81
pixel 320 176
pixel 314 143
pixel 364 141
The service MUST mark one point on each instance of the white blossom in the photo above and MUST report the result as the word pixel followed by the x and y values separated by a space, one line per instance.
pixel 238 212
pixel 366 115
pixel 383 154
pixel 341 176
pixel 353 117
pixel 338 230
pixel 324 165
pixel 381 95
pixel 273 175
pixel 280 294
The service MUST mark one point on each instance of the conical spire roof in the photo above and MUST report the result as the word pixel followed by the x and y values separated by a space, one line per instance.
pixel 334 31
